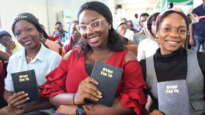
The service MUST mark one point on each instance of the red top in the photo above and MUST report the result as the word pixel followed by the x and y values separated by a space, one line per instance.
pixel 67 76
pixel 2 77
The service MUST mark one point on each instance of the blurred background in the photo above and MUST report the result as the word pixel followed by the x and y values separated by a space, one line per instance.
pixel 50 11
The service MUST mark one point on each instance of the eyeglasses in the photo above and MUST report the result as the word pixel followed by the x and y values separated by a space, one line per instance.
pixel 94 25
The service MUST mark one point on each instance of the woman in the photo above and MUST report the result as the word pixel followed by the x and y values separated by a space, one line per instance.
pixel 74 37
pixel 70 84
pixel 34 56
pixel 172 61
pixel 148 46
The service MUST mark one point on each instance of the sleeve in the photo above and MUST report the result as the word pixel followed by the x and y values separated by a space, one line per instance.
pixel 132 87
pixel 55 83
pixel 140 52
pixel 8 80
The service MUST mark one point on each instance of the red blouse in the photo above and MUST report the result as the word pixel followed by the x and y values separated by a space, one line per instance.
pixel 67 76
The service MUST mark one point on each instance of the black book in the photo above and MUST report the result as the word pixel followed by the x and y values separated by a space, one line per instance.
pixel 173 97
pixel 26 81
pixel 108 78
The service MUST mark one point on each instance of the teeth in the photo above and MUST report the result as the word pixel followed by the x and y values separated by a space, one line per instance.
pixel 172 42
pixel 94 39
pixel 27 43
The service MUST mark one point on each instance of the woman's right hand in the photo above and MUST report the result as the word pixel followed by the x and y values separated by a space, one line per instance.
pixel 87 90
pixel 18 99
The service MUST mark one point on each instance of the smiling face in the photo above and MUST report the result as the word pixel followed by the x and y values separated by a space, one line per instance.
pixel 7 42
pixel 27 34
pixel 94 28
pixel 172 33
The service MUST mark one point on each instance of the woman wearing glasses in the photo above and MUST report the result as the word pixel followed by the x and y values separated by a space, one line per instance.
pixel 70 83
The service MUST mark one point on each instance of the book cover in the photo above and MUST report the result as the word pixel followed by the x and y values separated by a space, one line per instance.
pixel 26 81
pixel 108 77
pixel 173 97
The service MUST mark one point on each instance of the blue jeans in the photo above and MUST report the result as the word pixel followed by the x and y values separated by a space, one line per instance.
pixel 199 40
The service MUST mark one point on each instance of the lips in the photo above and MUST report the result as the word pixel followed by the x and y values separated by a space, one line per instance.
pixel 172 43
pixel 27 43
pixel 93 40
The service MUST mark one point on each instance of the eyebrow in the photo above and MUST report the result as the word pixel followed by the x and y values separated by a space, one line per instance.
pixel 92 20
pixel 181 26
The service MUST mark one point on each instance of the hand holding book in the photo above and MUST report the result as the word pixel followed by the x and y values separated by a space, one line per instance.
pixel 87 90
pixel 18 99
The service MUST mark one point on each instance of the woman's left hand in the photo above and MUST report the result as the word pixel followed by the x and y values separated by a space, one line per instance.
pixel 87 90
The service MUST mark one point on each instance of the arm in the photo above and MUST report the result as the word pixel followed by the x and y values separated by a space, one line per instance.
pixel 191 37
pixel 4 55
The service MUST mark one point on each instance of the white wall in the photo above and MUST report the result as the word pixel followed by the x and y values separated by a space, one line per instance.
pixel 45 10
pixel 10 8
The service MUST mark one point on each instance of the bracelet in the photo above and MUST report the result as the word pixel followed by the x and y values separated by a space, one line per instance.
pixel 74 99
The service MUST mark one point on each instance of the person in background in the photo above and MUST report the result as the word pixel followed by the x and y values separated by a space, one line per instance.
pixel 141 28
pixel 10 46
pixel 33 56
pixel 173 62
pixel 50 43
pixel 70 83
pixel 149 45
pixel 142 20
pixel 197 37
pixel 123 31
pixel 59 31
pixel 74 37
pixel 131 26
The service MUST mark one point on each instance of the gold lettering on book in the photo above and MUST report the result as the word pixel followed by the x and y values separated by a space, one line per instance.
pixel 106 72
pixel 23 78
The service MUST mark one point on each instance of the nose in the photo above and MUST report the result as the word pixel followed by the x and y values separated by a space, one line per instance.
pixel 174 33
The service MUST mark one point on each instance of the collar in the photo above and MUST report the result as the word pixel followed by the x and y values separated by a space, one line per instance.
pixel 40 55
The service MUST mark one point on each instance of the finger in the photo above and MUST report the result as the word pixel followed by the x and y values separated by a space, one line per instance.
pixel 92 87
pixel 17 97
pixel 21 101
pixel 91 80
pixel 91 95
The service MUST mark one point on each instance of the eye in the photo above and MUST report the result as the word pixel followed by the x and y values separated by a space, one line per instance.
pixel 17 33
pixel 182 30
pixel 167 29
pixel 82 27
pixel 29 29
pixel 95 24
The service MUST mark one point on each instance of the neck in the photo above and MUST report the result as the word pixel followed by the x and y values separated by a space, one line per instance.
pixel 31 53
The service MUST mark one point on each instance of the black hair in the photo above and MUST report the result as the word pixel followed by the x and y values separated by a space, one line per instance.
pixel 4 33
pixel 150 21
pixel 31 19
pixel 169 12
pixel 114 41
pixel 58 22
pixel 144 14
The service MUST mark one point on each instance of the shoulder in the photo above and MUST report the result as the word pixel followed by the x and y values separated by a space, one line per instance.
pixel 73 52
pixel 129 56
pixel 50 52
pixel 19 54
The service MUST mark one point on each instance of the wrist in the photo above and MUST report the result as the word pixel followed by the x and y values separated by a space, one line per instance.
pixel 80 110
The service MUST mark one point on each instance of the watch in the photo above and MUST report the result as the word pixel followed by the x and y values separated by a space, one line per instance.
pixel 80 110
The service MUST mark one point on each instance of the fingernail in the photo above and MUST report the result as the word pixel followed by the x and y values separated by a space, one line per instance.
pixel 27 98
pixel 100 96
pixel 99 93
